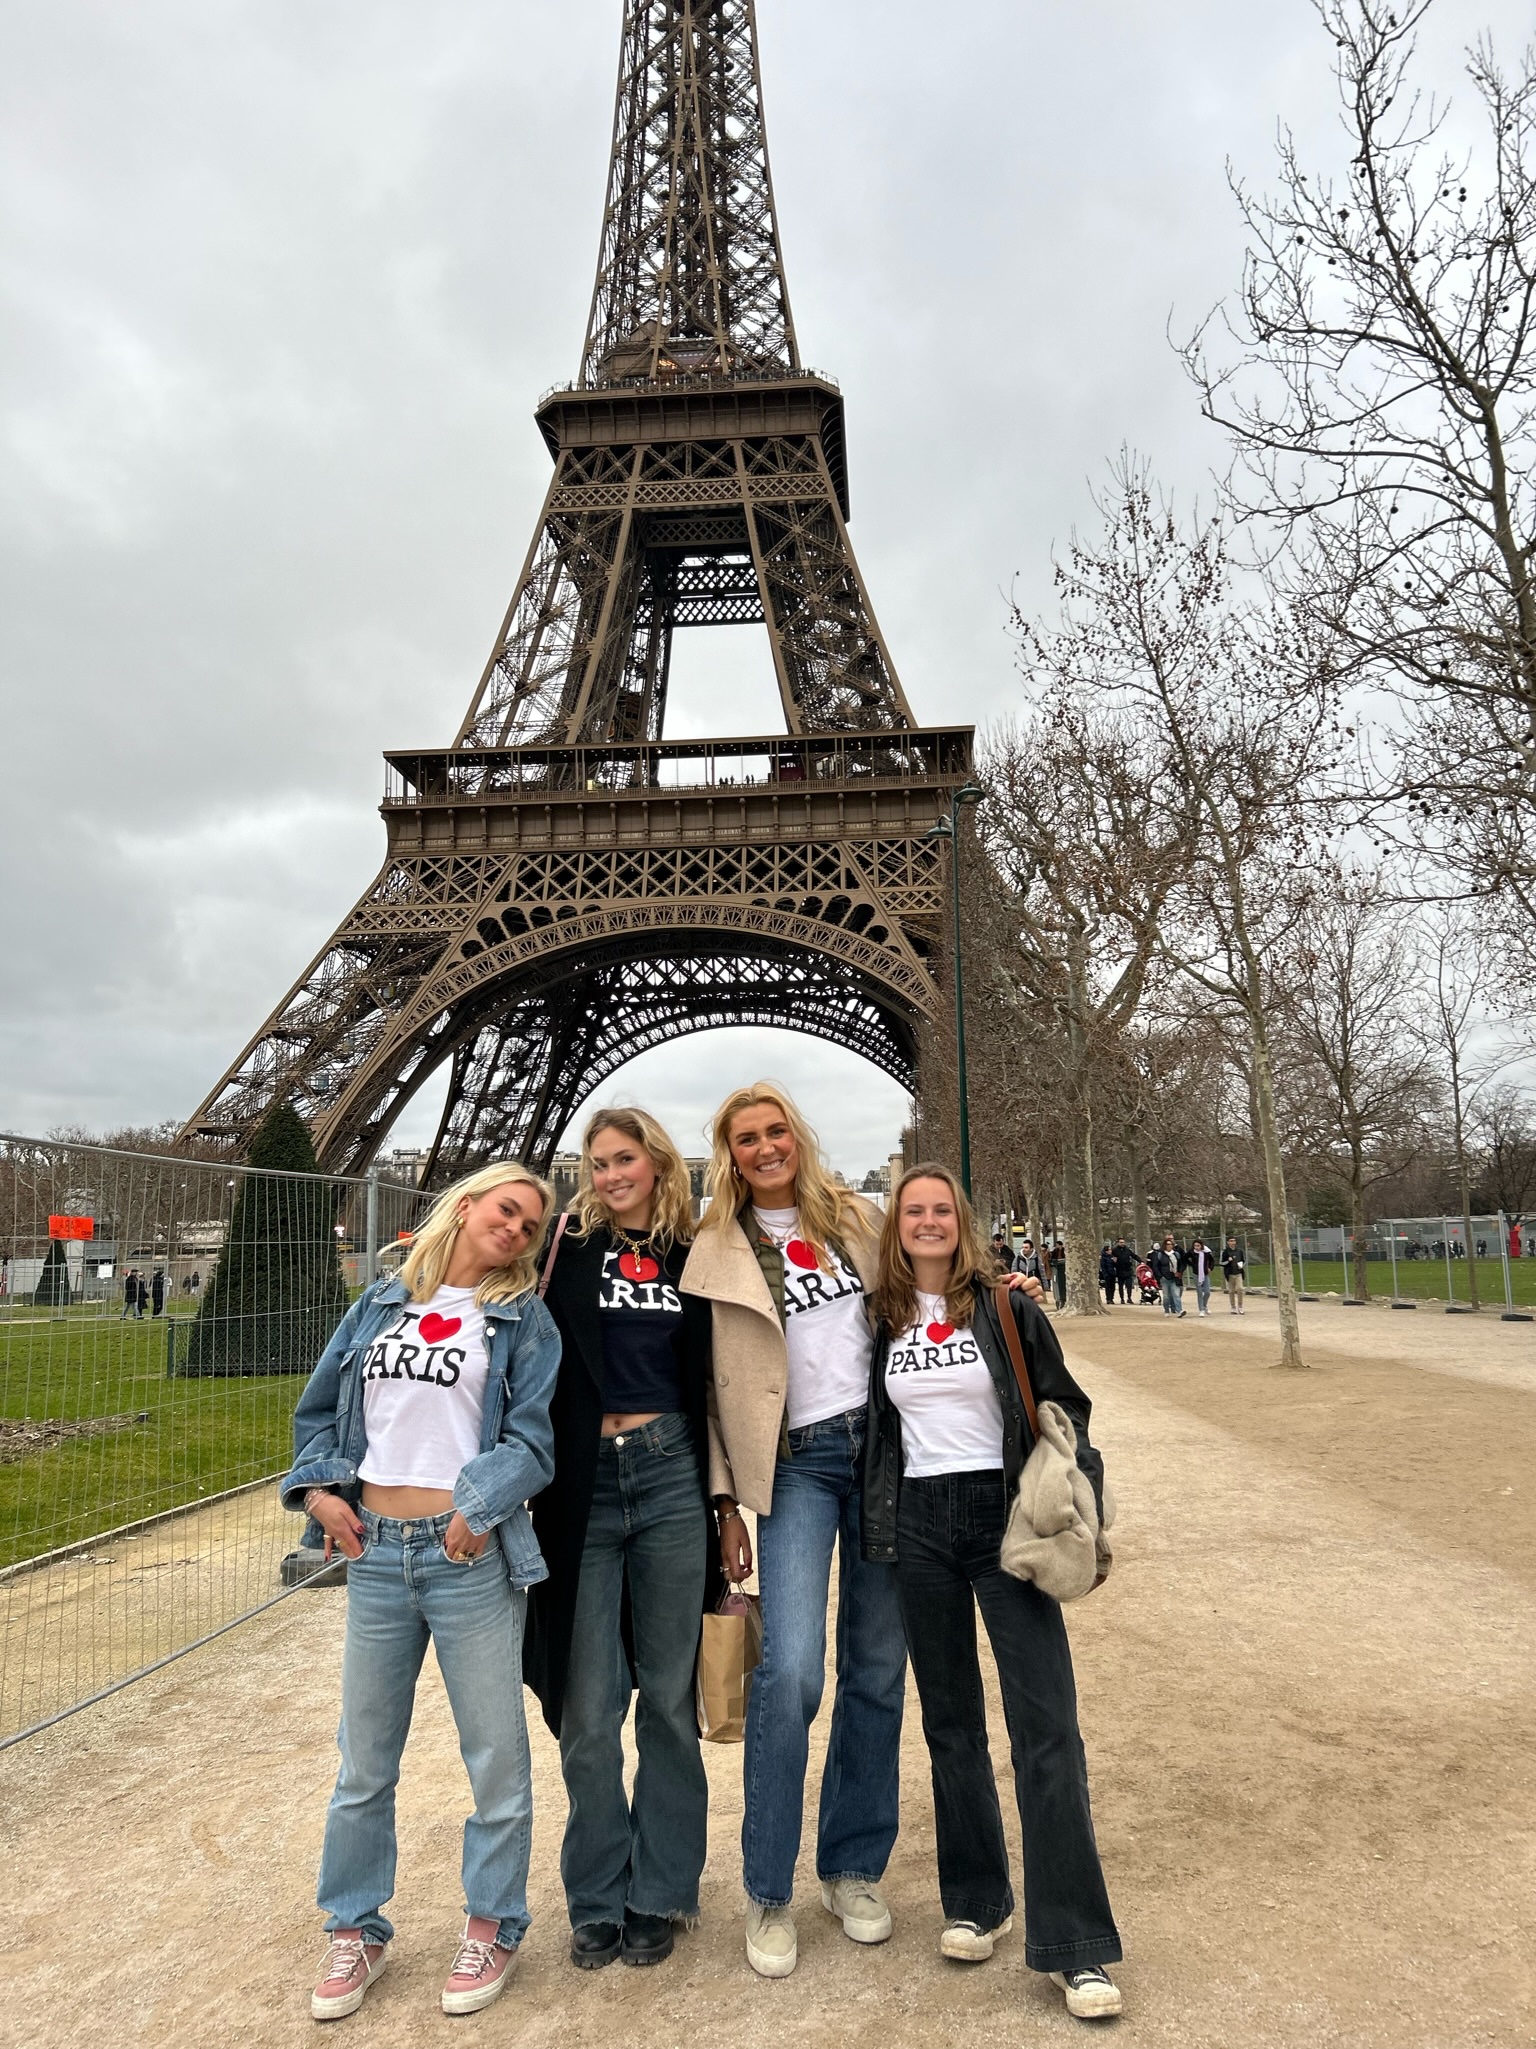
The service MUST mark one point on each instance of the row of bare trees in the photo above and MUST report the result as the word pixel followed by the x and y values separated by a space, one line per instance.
pixel 1257 861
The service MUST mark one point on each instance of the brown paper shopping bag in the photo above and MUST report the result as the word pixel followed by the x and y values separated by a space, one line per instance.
pixel 730 1649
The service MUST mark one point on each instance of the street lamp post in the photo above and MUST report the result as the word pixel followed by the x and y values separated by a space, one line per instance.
pixel 949 829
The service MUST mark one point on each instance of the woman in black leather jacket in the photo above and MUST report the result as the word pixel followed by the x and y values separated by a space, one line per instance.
pixel 948 1439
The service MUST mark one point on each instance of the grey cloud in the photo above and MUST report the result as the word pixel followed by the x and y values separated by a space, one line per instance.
pixel 280 285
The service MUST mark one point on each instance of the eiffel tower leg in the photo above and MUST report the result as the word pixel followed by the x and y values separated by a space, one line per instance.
pixel 512 1092
pixel 835 671
pixel 557 661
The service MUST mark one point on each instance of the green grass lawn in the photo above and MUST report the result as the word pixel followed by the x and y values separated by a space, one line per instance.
pixel 184 1438
pixel 1421 1280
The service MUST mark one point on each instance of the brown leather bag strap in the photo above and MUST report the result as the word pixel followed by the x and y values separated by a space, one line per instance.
pixel 1006 1318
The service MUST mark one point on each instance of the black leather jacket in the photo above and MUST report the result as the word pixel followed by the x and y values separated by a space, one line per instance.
pixel 1049 1378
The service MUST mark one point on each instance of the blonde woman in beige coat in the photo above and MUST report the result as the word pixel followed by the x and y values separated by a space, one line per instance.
pixel 787 1258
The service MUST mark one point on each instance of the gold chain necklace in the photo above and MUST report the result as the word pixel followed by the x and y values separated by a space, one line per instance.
pixel 633 1242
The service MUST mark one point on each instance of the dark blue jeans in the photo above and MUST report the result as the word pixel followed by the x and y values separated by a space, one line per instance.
pixel 649 1524
pixel 817 1510
pixel 948 1534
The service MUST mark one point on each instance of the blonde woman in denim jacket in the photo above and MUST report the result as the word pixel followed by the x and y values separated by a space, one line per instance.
pixel 417 1442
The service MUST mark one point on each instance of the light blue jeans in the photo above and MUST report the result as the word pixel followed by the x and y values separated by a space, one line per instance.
pixel 648 1529
pixel 817 1495
pixel 403 1592
pixel 1173 1296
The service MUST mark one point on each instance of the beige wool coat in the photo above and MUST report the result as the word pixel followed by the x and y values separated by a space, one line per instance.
pixel 750 1384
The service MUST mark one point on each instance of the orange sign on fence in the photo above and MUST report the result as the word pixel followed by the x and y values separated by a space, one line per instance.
pixel 71 1227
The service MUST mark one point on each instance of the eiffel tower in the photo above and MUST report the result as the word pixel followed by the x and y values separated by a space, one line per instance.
pixel 563 886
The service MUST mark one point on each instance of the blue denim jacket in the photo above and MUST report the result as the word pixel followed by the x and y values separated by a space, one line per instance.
pixel 517 1442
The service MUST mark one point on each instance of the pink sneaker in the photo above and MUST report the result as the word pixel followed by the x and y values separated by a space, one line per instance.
pixel 481 1968
pixel 350 1967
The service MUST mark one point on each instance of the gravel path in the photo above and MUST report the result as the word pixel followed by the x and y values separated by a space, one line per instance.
pixel 1306 1695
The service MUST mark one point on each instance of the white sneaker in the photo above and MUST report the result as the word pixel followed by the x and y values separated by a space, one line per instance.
pixel 773 1948
pixel 968 1943
pixel 1091 1993
pixel 864 1915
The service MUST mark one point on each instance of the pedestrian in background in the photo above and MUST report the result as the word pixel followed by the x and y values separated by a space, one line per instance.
pixel 157 1293
pixel 1059 1273
pixel 1168 1266
pixel 1202 1264
pixel 1233 1270
pixel 1125 1268
pixel 130 1294
pixel 1029 1263
pixel 1107 1273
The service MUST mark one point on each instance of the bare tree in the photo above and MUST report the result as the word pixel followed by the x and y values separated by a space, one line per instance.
pixel 1089 854
pixel 1163 1101
pixel 1454 977
pixel 1372 1076
pixel 1504 1120
pixel 1017 1121
pixel 1382 395
pixel 1239 711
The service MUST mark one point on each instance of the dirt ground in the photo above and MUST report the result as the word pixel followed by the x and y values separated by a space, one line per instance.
pixel 1306 1694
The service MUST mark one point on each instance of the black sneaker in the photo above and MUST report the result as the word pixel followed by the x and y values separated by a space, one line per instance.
pixel 1091 1992
pixel 594 1944
pixel 647 1938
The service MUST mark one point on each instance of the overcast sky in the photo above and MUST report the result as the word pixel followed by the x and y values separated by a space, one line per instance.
pixel 281 285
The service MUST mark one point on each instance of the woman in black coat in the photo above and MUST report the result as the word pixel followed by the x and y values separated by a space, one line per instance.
pixel 949 1435
pixel 627 1533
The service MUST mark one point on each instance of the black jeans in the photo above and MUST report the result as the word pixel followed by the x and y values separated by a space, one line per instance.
pixel 948 1534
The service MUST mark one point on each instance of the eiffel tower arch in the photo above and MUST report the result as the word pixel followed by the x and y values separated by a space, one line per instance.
pixel 564 887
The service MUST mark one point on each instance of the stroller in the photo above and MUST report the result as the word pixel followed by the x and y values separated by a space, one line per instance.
pixel 1146 1281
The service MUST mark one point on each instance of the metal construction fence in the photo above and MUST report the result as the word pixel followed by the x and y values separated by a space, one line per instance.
pixel 157 1317
pixel 1425 1259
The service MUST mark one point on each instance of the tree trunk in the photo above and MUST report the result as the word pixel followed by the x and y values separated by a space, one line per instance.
pixel 1274 1177
pixel 1083 1294
pixel 1463 1179
pixel 1142 1214
pixel 1362 1279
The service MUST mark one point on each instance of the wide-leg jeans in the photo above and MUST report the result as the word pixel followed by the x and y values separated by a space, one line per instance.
pixel 817 1494
pixel 649 1523
pixel 948 1534
pixel 403 1593
pixel 1173 1296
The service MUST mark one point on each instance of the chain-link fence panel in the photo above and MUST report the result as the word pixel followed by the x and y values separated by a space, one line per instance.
pixel 158 1315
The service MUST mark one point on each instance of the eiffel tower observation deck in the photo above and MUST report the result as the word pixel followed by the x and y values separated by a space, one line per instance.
pixel 564 887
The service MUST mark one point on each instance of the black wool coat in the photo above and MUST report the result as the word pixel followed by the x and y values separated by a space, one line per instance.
pixel 560 1513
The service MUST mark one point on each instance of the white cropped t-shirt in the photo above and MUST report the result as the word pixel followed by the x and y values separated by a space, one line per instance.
pixel 424 1380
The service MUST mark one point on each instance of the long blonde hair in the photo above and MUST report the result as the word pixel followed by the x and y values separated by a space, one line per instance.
pixel 828 1211
pixel 672 1203
pixel 425 1265
pixel 895 1296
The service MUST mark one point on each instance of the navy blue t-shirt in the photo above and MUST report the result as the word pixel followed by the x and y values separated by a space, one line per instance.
pixel 642 1325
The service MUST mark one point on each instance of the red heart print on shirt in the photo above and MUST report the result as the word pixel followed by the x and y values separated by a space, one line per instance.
pixel 799 1253
pixel 938 1332
pixel 435 1328
pixel 634 1266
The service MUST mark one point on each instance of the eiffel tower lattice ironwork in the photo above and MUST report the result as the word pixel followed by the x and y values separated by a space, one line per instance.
pixel 563 887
